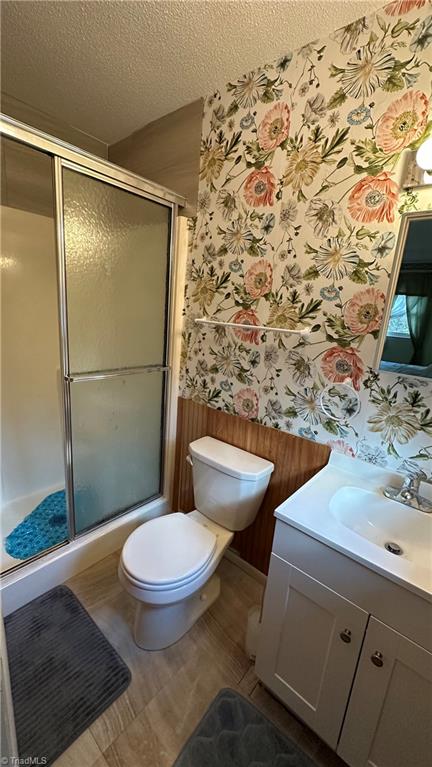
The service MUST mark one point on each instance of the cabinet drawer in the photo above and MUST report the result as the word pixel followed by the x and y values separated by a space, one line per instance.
pixel 309 645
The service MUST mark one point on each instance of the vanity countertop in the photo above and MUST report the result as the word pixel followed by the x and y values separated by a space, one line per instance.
pixel 344 507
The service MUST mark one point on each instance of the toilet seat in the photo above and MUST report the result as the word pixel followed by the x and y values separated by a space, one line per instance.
pixel 167 552
pixel 169 587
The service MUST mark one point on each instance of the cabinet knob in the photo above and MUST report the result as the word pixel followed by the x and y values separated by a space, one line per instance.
pixel 377 659
pixel 345 635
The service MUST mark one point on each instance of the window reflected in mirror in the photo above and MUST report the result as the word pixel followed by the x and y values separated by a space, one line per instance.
pixel 407 346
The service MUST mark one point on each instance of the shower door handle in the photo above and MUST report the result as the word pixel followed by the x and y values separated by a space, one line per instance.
pixel 100 375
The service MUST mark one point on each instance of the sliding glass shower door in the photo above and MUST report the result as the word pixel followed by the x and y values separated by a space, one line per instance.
pixel 116 278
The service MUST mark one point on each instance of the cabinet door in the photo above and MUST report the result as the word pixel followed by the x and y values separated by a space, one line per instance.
pixel 389 717
pixel 310 640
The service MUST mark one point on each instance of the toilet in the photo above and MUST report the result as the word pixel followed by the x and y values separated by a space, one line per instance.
pixel 168 564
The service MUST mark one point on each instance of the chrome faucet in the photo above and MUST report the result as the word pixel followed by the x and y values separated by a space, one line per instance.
pixel 409 493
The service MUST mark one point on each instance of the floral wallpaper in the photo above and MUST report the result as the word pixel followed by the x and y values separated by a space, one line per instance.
pixel 297 222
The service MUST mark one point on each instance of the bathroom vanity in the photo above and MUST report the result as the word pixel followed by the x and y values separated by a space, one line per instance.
pixel 346 632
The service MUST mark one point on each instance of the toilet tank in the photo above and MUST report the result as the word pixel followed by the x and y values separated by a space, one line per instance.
pixel 229 483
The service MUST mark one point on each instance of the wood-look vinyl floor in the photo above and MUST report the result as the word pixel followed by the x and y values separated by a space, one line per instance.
pixel 171 689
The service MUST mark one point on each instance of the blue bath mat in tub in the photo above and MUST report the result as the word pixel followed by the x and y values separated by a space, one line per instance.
pixel 44 527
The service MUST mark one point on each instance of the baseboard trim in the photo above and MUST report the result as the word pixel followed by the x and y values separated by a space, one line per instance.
pixel 243 565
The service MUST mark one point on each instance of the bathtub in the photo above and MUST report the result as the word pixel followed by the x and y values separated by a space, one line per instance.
pixel 39 575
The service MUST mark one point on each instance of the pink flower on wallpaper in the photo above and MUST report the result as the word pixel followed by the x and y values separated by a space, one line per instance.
pixel 399 7
pixel 259 187
pixel 258 279
pixel 339 364
pixel 374 199
pixel 341 447
pixel 403 122
pixel 274 128
pixel 247 317
pixel 246 403
pixel 363 313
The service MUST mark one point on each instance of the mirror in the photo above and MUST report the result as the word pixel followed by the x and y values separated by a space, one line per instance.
pixel 405 345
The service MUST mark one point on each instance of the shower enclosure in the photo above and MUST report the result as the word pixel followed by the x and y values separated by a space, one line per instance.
pixel 86 308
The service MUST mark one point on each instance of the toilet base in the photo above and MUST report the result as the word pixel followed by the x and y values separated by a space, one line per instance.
pixel 159 626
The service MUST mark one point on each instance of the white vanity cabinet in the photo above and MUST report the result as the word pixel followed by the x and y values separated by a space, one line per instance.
pixel 349 652
pixel 311 640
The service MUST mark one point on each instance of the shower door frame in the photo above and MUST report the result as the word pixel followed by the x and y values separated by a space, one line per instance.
pixel 66 156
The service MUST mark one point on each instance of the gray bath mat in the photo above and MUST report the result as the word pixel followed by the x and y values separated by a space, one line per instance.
pixel 233 733
pixel 64 673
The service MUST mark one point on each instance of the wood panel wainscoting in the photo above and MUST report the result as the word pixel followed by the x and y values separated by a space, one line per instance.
pixel 296 460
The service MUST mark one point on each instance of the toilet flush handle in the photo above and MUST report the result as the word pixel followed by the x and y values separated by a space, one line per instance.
pixel 189 460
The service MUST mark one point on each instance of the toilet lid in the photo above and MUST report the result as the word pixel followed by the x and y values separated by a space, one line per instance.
pixel 167 550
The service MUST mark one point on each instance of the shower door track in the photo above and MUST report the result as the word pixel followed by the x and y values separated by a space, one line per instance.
pixel 26 134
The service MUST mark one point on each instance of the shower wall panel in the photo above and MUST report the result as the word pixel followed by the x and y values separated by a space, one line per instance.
pixel 31 439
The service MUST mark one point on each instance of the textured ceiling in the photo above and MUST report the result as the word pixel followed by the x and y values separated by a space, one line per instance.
pixel 109 67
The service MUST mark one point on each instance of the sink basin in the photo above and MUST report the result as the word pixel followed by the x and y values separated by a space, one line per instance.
pixel 343 506
pixel 381 521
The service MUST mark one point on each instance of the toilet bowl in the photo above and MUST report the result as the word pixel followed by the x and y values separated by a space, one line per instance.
pixel 168 564
pixel 166 609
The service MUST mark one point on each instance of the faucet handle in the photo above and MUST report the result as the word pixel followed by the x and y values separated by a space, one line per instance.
pixel 409 493
pixel 419 474
pixel 410 467
pixel 413 471
pixel 411 484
